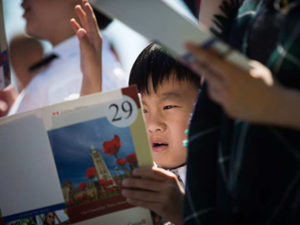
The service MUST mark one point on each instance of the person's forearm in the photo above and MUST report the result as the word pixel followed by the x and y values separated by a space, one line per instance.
pixel 90 85
pixel 288 111
pixel 282 108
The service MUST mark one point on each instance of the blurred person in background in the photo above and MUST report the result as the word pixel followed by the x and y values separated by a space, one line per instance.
pixel 60 77
pixel 24 52
pixel 49 218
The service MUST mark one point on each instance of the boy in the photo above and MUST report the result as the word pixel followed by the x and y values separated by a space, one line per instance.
pixel 168 91
pixel 168 94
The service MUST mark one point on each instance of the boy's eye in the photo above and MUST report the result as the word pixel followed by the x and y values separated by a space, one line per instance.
pixel 169 107
pixel 145 111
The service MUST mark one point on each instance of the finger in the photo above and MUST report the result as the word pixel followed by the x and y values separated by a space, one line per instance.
pixel 92 25
pixel 213 60
pixel 214 78
pixel 203 55
pixel 81 15
pixel 260 71
pixel 75 25
pixel 142 195
pixel 81 34
pixel 84 43
pixel 143 183
pixel 153 173
pixel 91 18
pixel 204 59
pixel 216 94
pixel 208 73
pixel 198 68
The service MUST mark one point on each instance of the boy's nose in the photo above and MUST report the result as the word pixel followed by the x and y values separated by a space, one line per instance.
pixel 155 124
pixel 153 129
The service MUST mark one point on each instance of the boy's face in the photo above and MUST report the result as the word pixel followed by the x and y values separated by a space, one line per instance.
pixel 167 113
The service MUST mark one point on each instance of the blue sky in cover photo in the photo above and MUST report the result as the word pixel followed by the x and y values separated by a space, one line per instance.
pixel 71 148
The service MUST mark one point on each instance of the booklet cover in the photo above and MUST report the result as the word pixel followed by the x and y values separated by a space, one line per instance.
pixel 159 21
pixel 4 67
pixel 64 164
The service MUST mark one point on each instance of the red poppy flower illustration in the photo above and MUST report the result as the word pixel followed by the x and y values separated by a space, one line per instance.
pixel 132 160
pixel 91 172
pixel 80 199
pixel 70 203
pixel 109 182
pixel 112 147
pixel 83 185
pixel 121 161
pixel 102 182
pixel 112 189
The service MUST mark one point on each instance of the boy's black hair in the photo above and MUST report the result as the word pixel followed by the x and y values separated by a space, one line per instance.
pixel 154 62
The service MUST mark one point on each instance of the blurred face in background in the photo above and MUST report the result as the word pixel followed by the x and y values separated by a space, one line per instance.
pixel 47 17
pixel 24 51
pixel 50 218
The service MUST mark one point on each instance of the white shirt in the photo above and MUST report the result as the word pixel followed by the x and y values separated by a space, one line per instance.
pixel 61 79
pixel 180 172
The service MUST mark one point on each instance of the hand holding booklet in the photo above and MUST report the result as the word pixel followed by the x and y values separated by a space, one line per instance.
pixel 68 160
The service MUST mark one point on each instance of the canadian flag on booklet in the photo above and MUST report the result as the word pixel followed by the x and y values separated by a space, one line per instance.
pixel 64 164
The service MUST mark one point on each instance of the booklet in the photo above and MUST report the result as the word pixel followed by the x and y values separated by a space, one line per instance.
pixel 4 66
pixel 64 164
pixel 159 21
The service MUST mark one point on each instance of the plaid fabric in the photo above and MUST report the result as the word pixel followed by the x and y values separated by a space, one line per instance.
pixel 243 173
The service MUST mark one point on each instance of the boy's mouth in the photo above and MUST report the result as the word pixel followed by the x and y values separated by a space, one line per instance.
pixel 159 146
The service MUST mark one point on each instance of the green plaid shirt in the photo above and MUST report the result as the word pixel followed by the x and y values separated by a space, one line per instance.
pixel 242 173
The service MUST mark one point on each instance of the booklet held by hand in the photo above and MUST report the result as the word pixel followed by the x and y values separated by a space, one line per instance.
pixel 68 160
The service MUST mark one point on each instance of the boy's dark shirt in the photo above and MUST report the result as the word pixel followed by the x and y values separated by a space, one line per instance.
pixel 239 172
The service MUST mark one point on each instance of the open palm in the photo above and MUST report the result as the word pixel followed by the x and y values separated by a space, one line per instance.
pixel 90 40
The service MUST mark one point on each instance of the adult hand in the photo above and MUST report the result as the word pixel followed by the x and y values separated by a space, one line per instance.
pixel 90 40
pixel 156 189
pixel 247 95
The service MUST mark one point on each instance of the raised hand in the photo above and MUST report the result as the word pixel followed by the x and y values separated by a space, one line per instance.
pixel 90 40
pixel 156 189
